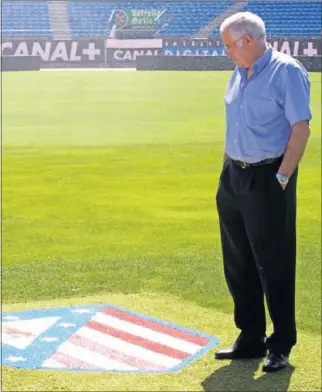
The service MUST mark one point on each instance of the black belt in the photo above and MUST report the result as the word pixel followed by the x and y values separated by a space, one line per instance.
pixel 268 161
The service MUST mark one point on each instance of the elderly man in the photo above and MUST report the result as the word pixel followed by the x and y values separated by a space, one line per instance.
pixel 267 128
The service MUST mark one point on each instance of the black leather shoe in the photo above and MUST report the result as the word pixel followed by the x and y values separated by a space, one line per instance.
pixel 237 353
pixel 275 362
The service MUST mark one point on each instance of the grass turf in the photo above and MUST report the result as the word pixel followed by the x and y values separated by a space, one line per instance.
pixel 204 374
pixel 108 187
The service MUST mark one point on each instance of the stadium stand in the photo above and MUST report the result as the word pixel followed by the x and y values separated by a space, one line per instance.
pixel 25 18
pixel 188 17
pixel 288 18
pixel 84 18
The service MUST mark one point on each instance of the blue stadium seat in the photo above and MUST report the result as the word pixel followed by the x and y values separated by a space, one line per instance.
pixel 188 17
pixel 90 18
pixel 281 18
pixel 289 18
pixel 25 19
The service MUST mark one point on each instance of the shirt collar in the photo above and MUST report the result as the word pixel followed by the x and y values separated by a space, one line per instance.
pixel 261 62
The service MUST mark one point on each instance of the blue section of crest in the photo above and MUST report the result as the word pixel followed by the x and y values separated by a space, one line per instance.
pixel 46 344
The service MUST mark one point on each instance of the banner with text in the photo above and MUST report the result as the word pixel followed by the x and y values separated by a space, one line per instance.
pixel 136 19
pixel 83 51
pixel 214 47
pixel 112 52
pixel 123 53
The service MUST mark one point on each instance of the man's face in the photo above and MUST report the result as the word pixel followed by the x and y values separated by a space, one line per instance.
pixel 240 49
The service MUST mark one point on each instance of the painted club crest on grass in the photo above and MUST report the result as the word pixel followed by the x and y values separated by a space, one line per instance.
pixel 98 338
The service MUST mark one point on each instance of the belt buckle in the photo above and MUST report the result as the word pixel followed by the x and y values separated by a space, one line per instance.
pixel 243 165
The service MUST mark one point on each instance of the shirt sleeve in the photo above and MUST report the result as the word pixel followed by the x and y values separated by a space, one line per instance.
pixel 297 95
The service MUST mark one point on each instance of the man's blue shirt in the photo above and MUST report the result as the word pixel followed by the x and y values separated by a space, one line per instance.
pixel 261 110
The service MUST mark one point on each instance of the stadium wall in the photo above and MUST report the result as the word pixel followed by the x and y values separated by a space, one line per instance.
pixel 23 63
pixel 180 54
pixel 202 63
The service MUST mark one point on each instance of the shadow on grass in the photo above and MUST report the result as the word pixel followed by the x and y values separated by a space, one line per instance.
pixel 239 376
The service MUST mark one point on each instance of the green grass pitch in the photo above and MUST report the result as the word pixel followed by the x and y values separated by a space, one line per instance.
pixel 108 194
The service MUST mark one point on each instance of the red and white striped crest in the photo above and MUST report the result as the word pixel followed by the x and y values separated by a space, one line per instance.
pixel 109 338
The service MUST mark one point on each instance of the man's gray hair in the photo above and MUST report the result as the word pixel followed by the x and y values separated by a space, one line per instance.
pixel 244 23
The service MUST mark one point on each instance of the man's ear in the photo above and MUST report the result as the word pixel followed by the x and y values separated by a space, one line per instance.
pixel 248 38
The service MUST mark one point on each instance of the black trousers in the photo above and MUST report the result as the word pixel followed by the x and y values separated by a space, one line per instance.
pixel 258 232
